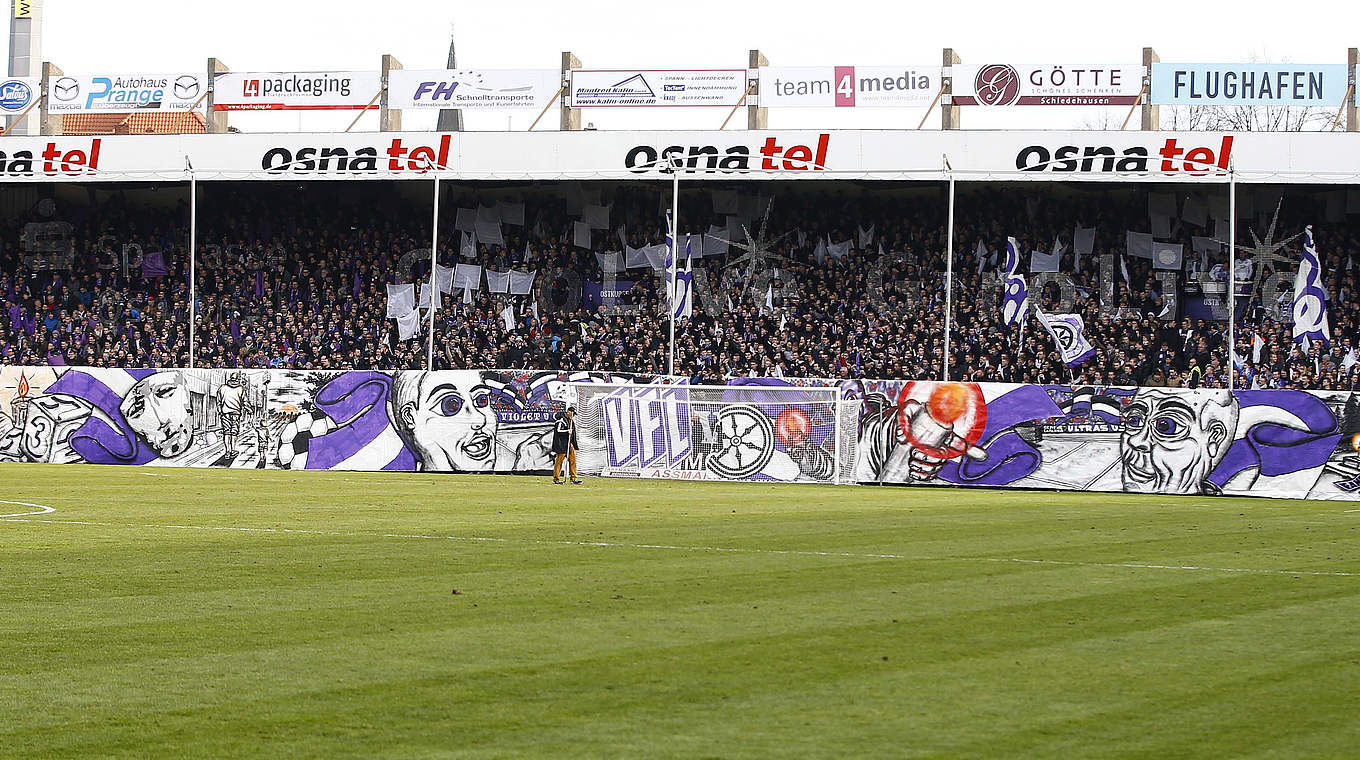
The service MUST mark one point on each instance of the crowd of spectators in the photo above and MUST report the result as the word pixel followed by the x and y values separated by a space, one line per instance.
pixel 295 276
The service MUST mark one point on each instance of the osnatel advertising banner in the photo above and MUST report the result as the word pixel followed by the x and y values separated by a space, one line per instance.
pixel 708 155
pixel 1030 84
pixel 1244 84
pixel 641 88
pixel 296 90
pixel 474 89
pixel 17 93
pixel 848 86
pixel 117 93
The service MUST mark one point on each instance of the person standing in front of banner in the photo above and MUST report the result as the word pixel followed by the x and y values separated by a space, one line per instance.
pixel 564 445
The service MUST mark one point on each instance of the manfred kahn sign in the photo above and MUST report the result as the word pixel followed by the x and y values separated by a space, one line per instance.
pixel 640 88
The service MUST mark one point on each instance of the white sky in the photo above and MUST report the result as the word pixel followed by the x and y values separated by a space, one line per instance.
pixel 156 36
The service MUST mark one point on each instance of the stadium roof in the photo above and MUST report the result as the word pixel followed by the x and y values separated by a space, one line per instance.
pixel 138 123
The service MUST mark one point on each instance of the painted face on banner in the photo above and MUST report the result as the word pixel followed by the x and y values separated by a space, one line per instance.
pixel 452 426
pixel 1172 441
pixel 158 409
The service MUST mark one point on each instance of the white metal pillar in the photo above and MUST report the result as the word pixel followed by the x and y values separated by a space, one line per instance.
pixel 1232 273
pixel 670 271
pixel 434 263
pixel 193 289
pixel 948 278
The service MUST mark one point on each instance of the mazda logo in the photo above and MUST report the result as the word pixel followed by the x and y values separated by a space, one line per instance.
pixel 186 86
pixel 66 88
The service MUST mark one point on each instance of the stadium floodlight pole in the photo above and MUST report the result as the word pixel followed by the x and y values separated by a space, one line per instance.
pixel 674 167
pixel 948 270
pixel 434 264
pixel 1232 273
pixel 193 235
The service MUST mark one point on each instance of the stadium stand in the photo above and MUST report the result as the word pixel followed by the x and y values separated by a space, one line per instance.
pixel 294 278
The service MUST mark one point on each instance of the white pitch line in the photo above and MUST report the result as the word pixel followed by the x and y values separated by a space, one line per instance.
pixel 673 547
pixel 42 508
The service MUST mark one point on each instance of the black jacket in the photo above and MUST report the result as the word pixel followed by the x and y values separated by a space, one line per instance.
pixel 564 435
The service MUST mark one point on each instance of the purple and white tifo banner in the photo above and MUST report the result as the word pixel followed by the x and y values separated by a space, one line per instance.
pixel 1091 438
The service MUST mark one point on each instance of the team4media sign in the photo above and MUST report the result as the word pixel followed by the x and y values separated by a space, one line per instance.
pixel 848 86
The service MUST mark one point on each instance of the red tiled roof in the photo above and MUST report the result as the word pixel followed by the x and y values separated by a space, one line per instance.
pixel 138 123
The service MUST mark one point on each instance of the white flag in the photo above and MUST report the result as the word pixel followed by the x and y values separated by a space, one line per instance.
pixel 819 253
pixel 466 220
pixel 837 250
pixel 408 325
pixel 468 249
pixel 1139 244
pixel 1310 297
pixel 443 278
pixel 400 299
pixel 1083 240
pixel 596 216
pixel 497 282
pixel 682 300
pixel 1167 255
pixel 714 244
pixel 512 213
pixel 609 262
pixel 521 282
pixel 467 277
pixel 580 234
pixel 508 316
pixel 489 232
pixel 1069 335
pixel 1043 262
pixel 866 237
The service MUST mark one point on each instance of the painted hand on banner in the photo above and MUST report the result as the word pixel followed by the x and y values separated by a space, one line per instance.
pixel 919 430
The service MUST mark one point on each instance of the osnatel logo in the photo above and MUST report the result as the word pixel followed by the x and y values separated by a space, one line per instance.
pixel 997 84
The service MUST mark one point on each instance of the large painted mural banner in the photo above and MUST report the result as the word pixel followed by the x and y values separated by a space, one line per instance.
pixel 1299 444
pixel 460 420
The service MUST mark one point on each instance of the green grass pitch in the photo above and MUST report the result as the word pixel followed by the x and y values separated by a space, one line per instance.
pixel 210 613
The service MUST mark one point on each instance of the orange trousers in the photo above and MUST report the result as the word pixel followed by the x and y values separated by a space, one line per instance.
pixel 571 461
